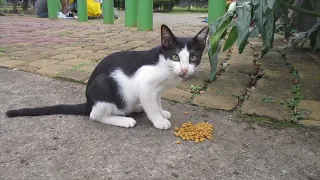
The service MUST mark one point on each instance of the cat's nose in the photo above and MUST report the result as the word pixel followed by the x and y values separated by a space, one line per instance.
pixel 184 71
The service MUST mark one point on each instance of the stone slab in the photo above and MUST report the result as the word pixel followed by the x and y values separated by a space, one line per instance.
pixel 81 52
pixel 254 106
pixel 74 75
pixel 74 62
pixel 42 63
pixel 278 89
pixel 298 57
pixel 12 63
pixel 241 63
pixel 310 123
pixel 27 68
pixel 215 101
pixel 64 56
pixel 230 83
pixel 54 69
pixel 186 84
pixel 32 57
pixel 313 108
pixel 94 56
pixel 308 71
pixel 21 53
pixel 283 73
pixel 310 89
pixel 88 67
pixel 178 95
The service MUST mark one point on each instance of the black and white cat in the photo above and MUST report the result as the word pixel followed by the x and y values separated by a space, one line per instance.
pixel 132 81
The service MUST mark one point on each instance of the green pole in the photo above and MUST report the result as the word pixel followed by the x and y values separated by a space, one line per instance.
pixel 131 13
pixel 108 13
pixel 82 10
pixel 145 15
pixel 215 9
pixel 53 8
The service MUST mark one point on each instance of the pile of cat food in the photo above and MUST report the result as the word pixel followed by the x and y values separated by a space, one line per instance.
pixel 197 133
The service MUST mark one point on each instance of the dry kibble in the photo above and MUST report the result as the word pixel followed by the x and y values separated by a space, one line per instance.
pixel 197 133
pixel 178 142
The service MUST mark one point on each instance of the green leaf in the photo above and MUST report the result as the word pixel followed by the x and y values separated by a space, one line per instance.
pixel 270 28
pixel 243 23
pixel 232 38
pixel 215 46
pixel 271 3
pixel 214 63
pixel 217 36
pixel 265 21
pixel 254 32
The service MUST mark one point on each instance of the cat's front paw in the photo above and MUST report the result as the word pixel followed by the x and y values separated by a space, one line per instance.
pixel 166 114
pixel 128 123
pixel 162 124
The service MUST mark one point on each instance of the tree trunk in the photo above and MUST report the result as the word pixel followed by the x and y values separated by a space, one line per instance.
pixel 189 7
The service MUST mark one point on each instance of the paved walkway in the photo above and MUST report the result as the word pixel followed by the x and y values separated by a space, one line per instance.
pixel 70 50
pixel 73 147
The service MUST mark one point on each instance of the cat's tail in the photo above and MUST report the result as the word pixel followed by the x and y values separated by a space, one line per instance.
pixel 69 109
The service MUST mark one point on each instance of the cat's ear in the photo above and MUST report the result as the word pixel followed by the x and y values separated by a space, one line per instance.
pixel 201 37
pixel 167 37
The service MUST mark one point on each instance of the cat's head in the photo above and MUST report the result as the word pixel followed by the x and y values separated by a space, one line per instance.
pixel 183 54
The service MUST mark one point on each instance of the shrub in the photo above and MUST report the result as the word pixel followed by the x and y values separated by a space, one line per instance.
pixel 192 9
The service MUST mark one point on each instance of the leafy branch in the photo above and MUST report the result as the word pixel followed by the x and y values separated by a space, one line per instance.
pixel 299 9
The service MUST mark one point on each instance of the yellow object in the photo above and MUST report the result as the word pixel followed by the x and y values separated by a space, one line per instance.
pixel 197 133
pixel 94 8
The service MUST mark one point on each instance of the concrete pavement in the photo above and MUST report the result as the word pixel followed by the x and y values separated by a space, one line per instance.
pixel 73 147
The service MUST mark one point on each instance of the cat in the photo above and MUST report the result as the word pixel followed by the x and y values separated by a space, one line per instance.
pixel 132 81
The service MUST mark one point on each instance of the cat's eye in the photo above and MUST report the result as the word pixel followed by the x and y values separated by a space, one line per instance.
pixel 193 58
pixel 175 57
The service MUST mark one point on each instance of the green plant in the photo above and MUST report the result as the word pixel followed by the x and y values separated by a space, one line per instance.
pixel 2 3
pixel 247 20
pixel 195 89
pixel 192 9
pixel 270 99
pixel 3 49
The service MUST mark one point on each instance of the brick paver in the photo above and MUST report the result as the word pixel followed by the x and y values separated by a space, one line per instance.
pixel 69 49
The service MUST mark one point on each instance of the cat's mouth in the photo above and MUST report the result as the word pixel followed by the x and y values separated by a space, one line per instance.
pixel 183 76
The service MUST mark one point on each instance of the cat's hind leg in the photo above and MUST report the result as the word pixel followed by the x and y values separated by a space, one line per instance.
pixel 109 114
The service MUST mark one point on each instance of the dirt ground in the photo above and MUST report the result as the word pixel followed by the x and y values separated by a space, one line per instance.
pixel 73 147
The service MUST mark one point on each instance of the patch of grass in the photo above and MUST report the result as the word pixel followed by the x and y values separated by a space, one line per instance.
pixel 270 99
pixel 64 33
pixel 3 49
pixel 268 122
pixel 195 89
pixel 74 68
pixel 185 12
pixel 171 102
pixel 294 103
pixel 192 9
